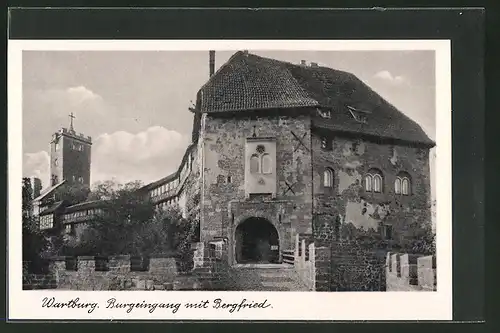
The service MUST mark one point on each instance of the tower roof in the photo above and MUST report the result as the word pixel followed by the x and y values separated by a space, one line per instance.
pixel 72 134
pixel 250 82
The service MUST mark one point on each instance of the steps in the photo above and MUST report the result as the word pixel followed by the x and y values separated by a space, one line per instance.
pixel 267 277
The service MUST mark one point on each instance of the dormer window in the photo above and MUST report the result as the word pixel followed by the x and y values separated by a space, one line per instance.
pixel 325 113
pixel 358 115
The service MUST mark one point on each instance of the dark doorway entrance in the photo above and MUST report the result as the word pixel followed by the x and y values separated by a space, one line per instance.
pixel 257 242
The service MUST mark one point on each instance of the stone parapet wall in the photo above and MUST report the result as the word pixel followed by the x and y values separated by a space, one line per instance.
pixel 410 272
pixel 117 274
pixel 304 262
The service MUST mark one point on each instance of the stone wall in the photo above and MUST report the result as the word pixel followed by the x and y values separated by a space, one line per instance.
pixel 350 159
pixel 410 272
pixel 43 278
pixel 348 266
pixel 211 267
pixel 223 199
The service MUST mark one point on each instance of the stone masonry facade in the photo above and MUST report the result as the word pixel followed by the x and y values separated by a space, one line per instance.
pixel 351 159
pixel 225 204
pixel 302 202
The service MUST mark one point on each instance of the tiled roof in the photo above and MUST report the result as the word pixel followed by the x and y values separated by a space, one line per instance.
pixel 85 205
pixel 250 82
pixel 48 191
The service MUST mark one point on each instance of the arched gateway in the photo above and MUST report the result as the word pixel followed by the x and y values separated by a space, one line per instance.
pixel 257 241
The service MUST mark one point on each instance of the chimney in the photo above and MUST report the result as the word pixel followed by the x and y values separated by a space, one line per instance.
pixel 211 62
pixel 314 64
pixel 302 62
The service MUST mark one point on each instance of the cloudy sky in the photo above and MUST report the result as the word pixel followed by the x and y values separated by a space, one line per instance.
pixel 134 104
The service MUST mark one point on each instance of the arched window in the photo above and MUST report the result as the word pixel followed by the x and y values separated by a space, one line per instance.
pixel 377 183
pixel 397 185
pixel 254 164
pixel 374 181
pixel 406 186
pixel 328 178
pixel 368 183
pixel 266 164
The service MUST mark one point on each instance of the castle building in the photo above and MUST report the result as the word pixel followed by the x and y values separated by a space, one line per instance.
pixel 280 150
pixel 36 186
pixel 70 160
pixel 284 149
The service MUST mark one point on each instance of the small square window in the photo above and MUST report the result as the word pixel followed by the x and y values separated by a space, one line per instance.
pixel 326 143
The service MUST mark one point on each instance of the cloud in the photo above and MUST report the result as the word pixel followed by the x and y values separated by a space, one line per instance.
pixel 62 101
pixel 147 156
pixel 81 94
pixel 46 111
pixel 388 77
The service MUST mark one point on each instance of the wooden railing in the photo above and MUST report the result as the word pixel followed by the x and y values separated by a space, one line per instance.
pixel 288 256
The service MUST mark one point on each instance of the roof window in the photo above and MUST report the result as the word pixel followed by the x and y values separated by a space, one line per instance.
pixel 325 113
pixel 358 115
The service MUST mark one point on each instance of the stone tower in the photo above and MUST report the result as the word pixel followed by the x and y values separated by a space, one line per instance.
pixel 70 156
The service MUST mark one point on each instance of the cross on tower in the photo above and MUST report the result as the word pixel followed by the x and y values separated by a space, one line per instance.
pixel 71 117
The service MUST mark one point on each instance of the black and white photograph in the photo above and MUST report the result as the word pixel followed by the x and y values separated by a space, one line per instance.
pixel 274 168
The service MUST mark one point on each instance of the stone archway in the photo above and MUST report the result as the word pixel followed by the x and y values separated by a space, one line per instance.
pixel 257 241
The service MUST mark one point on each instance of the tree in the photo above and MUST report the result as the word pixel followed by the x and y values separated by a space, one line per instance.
pixel 131 226
pixel 125 210
pixel 34 242
pixel 161 234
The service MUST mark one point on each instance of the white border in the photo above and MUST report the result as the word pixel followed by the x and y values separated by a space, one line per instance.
pixel 285 305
